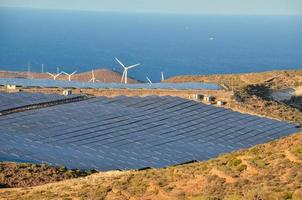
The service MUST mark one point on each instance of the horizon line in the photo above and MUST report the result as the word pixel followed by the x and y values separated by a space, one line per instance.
pixel 152 12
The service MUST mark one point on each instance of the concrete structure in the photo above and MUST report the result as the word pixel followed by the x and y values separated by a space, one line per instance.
pixel 209 99
pixel 198 97
pixel 11 87
pixel 67 92
pixel 220 103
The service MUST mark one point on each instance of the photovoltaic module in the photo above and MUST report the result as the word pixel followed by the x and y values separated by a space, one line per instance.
pixel 131 133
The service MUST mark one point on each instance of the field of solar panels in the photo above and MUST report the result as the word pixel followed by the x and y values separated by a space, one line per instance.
pixel 125 132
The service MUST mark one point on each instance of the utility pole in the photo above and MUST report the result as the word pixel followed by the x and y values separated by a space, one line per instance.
pixel 28 70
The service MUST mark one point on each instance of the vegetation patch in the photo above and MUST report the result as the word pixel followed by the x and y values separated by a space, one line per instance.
pixel 297 151
pixel 29 174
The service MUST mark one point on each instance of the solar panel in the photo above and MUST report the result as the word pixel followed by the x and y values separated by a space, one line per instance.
pixel 74 84
pixel 130 132
pixel 10 101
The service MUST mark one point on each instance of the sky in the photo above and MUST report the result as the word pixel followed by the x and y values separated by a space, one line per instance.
pixel 249 7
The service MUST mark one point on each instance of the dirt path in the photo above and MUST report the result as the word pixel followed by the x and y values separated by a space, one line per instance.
pixel 292 157
pixel 250 169
pixel 221 174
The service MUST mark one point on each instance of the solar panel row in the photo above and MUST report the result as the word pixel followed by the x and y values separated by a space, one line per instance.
pixel 16 100
pixel 131 133
pixel 75 84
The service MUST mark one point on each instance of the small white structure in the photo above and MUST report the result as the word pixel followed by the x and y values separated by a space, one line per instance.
pixel 67 92
pixel 209 99
pixel 220 103
pixel 198 97
pixel 11 87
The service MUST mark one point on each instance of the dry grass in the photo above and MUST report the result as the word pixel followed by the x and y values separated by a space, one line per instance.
pixel 278 79
pixel 263 172
pixel 29 174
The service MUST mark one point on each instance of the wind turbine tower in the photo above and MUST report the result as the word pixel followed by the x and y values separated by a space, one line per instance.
pixel 54 76
pixel 69 75
pixel 162 76
pixel 93 79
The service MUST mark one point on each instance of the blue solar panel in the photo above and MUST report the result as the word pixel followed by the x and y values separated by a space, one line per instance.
pixel 10 101
pixel 131 133
pixel 74 84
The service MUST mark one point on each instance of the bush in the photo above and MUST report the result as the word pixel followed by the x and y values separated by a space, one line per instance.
pixel 297 150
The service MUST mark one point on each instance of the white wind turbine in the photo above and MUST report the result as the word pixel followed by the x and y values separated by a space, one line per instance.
pixel 162 76
pixel 69 75
pixel 150 82
pixel 54 76
pixel 125 73
pixel 93 79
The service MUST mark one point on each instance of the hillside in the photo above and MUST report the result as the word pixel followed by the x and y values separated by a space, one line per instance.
pixel 268 171
pixel 278 79
pixel 253 92
pixel 101 75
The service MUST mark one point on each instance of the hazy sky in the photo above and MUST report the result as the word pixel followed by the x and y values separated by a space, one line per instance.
pixel 275 7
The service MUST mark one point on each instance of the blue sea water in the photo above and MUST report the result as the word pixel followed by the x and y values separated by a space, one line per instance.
pixel 175 44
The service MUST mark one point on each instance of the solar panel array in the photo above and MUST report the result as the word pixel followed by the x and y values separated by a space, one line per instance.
pixel 131 133
pixel 74 84
pixel 20 99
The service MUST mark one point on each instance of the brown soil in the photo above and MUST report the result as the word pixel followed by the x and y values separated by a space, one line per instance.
pixel 292 157
pixel 279 79
pixel 28 174
pixel 221 174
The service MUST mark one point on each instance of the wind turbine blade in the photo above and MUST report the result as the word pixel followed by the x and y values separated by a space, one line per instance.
pixel 73 73
pixel 64 73
pixel 149 80
pixel 50 74
pixel 133 66
pixel 120 62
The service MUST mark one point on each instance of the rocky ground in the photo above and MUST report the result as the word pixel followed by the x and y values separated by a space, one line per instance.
pixel 29 174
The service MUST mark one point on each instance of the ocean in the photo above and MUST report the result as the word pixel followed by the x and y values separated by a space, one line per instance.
pixel 175 44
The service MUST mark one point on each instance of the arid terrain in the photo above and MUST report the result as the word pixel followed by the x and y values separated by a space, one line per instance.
pixel 268 171
pixel 264 172
pixel 253 92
